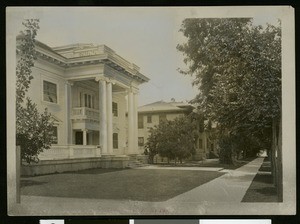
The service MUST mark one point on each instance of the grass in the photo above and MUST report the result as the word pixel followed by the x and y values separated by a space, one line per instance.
pixel 262 188
pixel 131 184
pixel 207 163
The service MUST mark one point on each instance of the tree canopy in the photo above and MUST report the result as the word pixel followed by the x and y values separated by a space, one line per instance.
pixel 237 68
pixel 34 130
pixel 172 139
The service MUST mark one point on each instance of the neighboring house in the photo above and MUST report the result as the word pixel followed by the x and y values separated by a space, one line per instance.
pixel 152 114
pixel 92 94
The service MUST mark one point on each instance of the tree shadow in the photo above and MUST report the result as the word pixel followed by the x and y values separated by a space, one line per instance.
pixel 26 183
pixel 267 191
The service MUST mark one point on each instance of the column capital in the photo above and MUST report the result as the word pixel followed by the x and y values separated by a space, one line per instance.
pixel 100 78
pixel 70 83
pixel 133 90
pixel 110 80
pixel 104 78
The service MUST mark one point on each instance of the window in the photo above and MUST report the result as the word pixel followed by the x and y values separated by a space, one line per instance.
pixel 54 135
pixel 88 100
pixel 50 92
pixel 140 122
pixel 115 109
pixel 162 117
pixel 149 119
pixel 115 140
pixel 78 138
pixel 141 141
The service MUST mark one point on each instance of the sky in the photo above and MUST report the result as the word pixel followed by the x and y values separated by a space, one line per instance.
pixel 146 37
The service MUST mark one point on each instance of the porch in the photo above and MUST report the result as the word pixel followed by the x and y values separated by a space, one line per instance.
pixel 70 152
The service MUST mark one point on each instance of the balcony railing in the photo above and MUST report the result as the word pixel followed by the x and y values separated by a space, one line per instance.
pixel 85 113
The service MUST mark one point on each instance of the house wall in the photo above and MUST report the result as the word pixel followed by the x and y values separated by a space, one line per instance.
pixel 48 72
pixel 204 144
pixel 144 132
pixel 120 122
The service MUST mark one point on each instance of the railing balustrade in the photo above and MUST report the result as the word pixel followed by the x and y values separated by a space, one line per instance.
pixel 85 113
pixel 70 152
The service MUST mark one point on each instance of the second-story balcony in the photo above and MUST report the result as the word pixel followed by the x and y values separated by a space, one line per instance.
pixel 85 113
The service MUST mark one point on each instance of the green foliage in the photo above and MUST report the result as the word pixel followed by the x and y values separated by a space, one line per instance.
pixel 225 150
pixel 237 69
pixel 27 53
pixel 172 139
pixel 34 130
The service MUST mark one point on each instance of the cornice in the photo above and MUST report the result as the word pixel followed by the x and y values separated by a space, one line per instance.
pixel 99 54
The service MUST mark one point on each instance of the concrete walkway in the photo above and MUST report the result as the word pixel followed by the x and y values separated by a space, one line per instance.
pixel 230 187
pixel 221 196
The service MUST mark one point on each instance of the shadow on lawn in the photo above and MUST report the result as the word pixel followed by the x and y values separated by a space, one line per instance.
pixel 207 163
pixel 26 183
pixel 267 191
pixel 262 188
pixel 96 171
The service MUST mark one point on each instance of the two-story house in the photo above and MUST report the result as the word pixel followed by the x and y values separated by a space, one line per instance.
pixel 92 94
pixel 152 114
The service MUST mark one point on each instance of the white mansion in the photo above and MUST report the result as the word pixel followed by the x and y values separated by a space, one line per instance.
pixel 92 95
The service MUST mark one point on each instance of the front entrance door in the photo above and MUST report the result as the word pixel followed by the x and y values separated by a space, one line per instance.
pixel 79 138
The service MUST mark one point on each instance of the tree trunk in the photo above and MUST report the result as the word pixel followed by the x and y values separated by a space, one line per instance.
pixel 245 153
pixel 273 152
pixel 279 164
pixel 233 155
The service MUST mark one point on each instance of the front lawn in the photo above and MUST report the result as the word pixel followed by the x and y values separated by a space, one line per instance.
pixel 129 184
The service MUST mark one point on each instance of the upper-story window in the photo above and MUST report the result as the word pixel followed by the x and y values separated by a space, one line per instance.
pixel 149 119
pixel 86 100
pixel 162 118
pixel 115 109
pixel 50 92
pixel 140 121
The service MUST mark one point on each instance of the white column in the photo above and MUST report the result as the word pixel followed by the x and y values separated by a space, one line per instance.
pixel 130 123
pixel 84 137
pixel 135 122
pixel 68 112
pixel 103 117
pixel 109 118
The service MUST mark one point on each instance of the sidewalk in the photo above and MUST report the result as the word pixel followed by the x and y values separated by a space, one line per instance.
pixel 230 187
pixel 221 196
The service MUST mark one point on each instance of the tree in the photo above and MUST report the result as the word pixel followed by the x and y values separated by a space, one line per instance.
pixel 151 147
pixel 172 139
pixel 34 130
pixel 237 69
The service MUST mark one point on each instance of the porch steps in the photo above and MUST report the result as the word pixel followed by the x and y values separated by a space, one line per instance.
pixel 135 164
